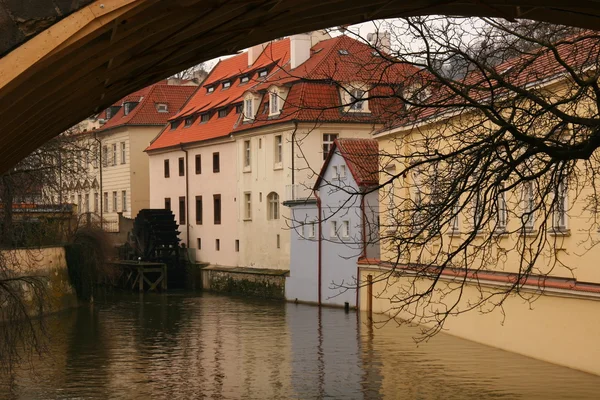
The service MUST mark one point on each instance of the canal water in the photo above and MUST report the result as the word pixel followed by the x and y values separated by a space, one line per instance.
pixel 195 346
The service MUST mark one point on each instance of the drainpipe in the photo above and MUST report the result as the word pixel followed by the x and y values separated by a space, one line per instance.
pixel 319 243
pixel 293 140
pixel 187 198
pixel 101 194
pixel 364 244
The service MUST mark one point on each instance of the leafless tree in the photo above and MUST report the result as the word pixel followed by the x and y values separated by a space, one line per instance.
pixel 494 147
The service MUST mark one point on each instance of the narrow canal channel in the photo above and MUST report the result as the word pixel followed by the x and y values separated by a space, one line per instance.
pixel 193 346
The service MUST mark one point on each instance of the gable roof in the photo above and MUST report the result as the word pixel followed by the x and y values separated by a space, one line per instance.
pixel 361 157
pixel 313 89
pixel 146 112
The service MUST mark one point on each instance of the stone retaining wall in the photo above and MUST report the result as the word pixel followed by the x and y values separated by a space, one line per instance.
pixel 263 283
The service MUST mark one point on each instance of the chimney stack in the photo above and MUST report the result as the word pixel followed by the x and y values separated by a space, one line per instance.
pixel 254 52
pixel 381 41
pixel 299 49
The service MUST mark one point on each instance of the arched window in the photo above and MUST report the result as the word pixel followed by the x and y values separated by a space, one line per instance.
pixel 273 206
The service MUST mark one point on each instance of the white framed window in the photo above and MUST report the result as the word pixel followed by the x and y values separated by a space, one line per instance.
pixel 342 171
pixel 162 108
pixel 123 154
pixel 247 206
pixel 248 108
pixel 273 205
pixel 273 103
pixel 244 79
pixel 455 223
pixel 336 172
pixel 210 89
pixel 226 84
pixel 263 73
pixel 559 220
pixel 328 139
pixel 345 229
pixel 105 156
pixel 278 149
pixel 114 154
pixel 356 96
pixel 124 200
pixel 528 206
pixel 87 202
pixel 96 202
pixel 115 204
pixel 502 210
pixel 333 232
pixel 247 153
pixel 105 205
pixel 417 200
pixel 311 230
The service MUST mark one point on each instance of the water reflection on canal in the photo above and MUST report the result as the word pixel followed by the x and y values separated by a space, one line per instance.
pixel 180 346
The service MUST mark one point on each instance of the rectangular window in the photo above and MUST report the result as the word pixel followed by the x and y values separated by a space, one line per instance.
pixel 222 113
pixel 96 202
pixel 124 200
pixel 162 108
pixel 247 153
pixel 188 122
pixel 105 202
pixel 262 73
pixel 528 215
pixel 278 241
pixel 247 205
pixel 181 166
pixel 217 209
pixel 182 211
pixel 237 245
pixel 455 223
pixel 226 84
pixel 115 201
pixel 336 172
pixel 274 103
pixel 345 229
pixel 204 118
pixel 114 154
pixel 199 243
pixel 217 244
pixel 333 232
pixel 210 89
pixel 244 79
pixel 105 156
pixel 123 155
pixel 168 203
pixel 560 208
pixel 328 139
pixel 342 171
pixel 311 230
pixel 248 111
pixel 239 108
pixel 278 149
pixel 167 169
pixel 198 210
pixel 79 204
pixel 198 164
pixel 502 211
pixel 216 162
pixel 87 202
pixel 356 98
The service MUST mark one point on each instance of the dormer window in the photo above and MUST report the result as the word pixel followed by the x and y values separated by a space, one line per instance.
pixel 262 73
pixel 175 124
pixel 188 122
pixel 226 84
pixel 204 118
pixel 128 107
pixel 222 112
pixel 343 52
pixel 249 108
pixel 210 89
pixel 162 107
pixel 274 103
pixel 239 108
pixel 357 103
pixel 108 113
pixel 244 79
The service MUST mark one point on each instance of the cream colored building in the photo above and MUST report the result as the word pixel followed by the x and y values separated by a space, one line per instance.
pixel 117 166
pixel 554 317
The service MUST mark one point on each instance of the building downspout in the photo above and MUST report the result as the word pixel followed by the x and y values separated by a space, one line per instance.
pixel 292 153
pixel 319 244
pixel 364 244
pixel 101 194
pixel 187 198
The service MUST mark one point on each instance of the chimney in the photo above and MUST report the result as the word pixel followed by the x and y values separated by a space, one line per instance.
pixel 299 49
pixel 381 41
pixel 254 52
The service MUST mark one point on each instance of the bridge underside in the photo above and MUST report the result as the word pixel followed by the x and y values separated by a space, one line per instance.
pixel 66 59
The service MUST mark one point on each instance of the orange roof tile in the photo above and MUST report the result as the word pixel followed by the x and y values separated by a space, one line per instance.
pixel 313 94
pixel 146 112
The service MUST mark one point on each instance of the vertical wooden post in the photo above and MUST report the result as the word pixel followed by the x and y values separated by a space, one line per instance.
pixel 370 297
pixel 141 276
pixel 164 281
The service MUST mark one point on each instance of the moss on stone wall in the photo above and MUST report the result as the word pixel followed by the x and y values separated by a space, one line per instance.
pixel 248 284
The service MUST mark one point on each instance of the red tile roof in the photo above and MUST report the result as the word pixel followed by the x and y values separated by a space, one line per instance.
pixel 362 158
pixel 313 89
pixel 146 113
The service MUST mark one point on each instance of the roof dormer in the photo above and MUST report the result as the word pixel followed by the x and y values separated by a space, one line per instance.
pixel 355 97
pixel 277 96
pixel 251 104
